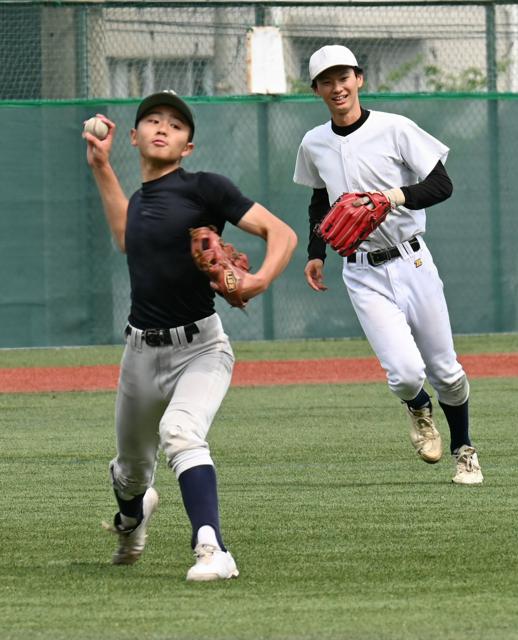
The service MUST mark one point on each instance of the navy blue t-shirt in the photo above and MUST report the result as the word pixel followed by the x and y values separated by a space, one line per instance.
pixel 167 289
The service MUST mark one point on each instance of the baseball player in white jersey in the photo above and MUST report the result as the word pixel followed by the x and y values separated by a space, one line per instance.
pixel 177 362
pixel 392 280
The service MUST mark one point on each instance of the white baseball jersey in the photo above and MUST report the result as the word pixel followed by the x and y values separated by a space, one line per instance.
pixel 388 150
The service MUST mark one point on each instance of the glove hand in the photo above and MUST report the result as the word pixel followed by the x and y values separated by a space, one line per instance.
pixel 395 197
pixel 351 220
pixel 251 285
pixel 226 268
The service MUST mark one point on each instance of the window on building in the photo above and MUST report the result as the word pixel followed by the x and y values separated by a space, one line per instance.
pixel 130 78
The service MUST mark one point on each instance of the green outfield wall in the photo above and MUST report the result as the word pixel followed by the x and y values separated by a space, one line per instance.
pixel 64 283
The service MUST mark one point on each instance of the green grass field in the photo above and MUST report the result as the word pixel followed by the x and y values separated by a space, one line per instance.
pixel 339 530
pixel 257 350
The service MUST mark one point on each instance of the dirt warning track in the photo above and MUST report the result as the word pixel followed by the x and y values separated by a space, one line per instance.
pixel 246 373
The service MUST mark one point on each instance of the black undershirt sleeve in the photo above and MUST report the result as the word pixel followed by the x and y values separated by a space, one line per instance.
pixel 318 207
pixel 435 188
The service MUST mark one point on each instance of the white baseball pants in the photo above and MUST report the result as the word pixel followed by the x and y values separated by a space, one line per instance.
pixel 402 310
pixel 167 398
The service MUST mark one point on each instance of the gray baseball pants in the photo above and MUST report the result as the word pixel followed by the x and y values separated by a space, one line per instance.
pixel 167 399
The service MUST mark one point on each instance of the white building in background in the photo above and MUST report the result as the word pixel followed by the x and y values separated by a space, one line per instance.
pixel 401 48
pixel 129 50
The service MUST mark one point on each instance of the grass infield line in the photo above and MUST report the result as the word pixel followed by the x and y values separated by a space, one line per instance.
pixel 246 373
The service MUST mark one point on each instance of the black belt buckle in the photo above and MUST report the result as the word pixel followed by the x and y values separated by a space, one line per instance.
pixel 380 256
pixel 160 337
pixel 154 337
pixel 375 258
pixel 190 330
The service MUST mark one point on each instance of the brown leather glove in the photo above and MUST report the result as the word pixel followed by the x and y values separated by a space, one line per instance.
pixel 224 266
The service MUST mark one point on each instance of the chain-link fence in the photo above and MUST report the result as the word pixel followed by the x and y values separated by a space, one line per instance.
pixel 64 282
pixel 127 49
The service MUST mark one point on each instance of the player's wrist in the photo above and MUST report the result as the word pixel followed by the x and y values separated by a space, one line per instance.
pixel 257 283
pixel 395 196
pixel 317 255
pixel 101 166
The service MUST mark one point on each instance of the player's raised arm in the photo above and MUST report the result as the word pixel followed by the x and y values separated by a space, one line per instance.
pixel 99 142
pixel 280 240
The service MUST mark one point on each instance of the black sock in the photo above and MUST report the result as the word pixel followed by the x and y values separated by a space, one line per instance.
pixel 421 400
pixel 458 421
pixel 130 508
pixel 200 498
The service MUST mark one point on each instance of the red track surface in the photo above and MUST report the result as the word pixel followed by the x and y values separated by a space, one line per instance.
pixel 248 373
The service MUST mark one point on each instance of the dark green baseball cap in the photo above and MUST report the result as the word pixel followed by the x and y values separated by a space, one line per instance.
pixel 170 99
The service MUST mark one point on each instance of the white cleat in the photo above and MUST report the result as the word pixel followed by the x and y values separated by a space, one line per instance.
pixel 424 435
pixel 212 564
pixel 133 541
pixel 468 468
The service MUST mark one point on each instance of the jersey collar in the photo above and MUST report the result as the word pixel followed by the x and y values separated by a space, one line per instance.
pixel 347 130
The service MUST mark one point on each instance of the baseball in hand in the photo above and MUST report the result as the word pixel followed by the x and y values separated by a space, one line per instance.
pixel 96 127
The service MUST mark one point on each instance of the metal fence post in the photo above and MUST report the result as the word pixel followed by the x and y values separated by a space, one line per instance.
pixel 494 170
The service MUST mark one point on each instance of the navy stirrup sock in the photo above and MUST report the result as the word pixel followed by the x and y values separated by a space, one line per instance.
pixel 458 421
pixel 421 400
pixel 200 498
pixel 130 508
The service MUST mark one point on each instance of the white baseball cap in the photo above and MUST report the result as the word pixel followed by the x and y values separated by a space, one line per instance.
pixel 332 55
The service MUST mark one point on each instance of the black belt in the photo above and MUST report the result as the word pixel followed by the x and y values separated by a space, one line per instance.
pixel 375 258
pixel 161 337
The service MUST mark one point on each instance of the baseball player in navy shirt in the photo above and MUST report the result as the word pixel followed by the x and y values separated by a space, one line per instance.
pixel 392 280
pixel 177 362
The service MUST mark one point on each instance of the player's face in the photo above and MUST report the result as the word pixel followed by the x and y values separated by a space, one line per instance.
pixel 338 87
pixel 162 136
